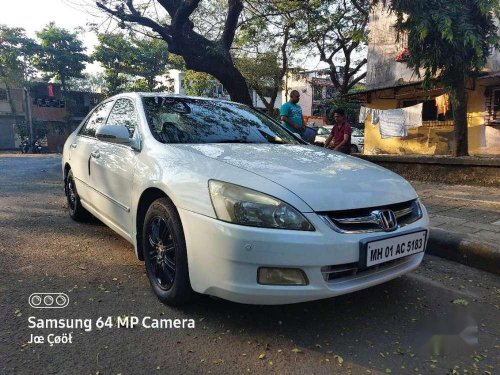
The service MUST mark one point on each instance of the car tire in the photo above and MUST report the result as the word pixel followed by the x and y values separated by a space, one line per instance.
pixel 76 211
pixel 354 149
pixel 165 255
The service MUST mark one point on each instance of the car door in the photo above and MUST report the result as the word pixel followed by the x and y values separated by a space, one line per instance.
pixel 112 169
pixel 81 149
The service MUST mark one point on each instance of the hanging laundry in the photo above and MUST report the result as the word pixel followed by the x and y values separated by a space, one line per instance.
pixel 375 116
pixel 442 103
pixel 392 123
pixel 364 112
pixel 413 116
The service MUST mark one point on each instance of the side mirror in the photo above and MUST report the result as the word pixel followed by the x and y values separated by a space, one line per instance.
pixel 113 134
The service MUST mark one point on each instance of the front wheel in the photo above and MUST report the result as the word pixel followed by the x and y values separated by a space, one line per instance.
pixel 354 149
pixel 75 208
pixel 165 253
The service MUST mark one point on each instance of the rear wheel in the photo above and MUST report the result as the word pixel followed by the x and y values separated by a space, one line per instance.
pixel 165 253
pixel 354 149
pixel 75 208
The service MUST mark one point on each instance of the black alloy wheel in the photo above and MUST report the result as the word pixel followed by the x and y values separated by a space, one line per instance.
pixel 165 255
pixel 161 252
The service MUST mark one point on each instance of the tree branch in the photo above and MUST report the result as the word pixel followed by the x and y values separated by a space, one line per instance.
pixel 233 14
pixel 355 81
pixel 135 16
pixel 184 10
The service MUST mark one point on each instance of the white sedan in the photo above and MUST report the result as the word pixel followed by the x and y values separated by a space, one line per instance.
pixel 219 199
pixel 357 138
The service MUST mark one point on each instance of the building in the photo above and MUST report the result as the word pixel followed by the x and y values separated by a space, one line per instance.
pixel 391 85
pixel 315 87
pixel 12 113
pixel 53 117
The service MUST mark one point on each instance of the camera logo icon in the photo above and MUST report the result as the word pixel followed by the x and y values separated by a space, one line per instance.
pixel 48 300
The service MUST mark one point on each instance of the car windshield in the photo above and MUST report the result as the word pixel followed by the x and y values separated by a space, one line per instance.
pixel 357 132
pixel 324 130
pixel 188 120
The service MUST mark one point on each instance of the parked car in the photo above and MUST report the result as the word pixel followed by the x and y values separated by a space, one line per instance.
pixel 219 199
pixel 357 138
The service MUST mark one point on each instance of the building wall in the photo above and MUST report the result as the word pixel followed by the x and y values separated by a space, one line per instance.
pixel 382 69
pixel 300 83
pixel 7 132
pixel 435 139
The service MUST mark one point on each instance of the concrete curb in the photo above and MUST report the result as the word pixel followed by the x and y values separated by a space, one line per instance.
pixel 465 249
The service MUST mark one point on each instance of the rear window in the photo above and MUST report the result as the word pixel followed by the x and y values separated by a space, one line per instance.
pixel 187 120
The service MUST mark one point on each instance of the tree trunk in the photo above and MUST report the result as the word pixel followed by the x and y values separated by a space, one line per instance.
pixel 459 102
pixel 236 86
pixel 220 66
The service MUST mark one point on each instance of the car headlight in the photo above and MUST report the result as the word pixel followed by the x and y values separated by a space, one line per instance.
pixel 240 205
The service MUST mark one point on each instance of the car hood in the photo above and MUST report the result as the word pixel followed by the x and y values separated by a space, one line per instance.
pixel 326 180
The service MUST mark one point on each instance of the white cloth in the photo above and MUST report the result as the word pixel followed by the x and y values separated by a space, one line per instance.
pixel 413 116
pixel 392 123
pixel 364 113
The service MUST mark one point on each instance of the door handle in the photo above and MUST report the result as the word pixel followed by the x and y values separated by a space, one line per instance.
pixel 95 155
pixel 73 145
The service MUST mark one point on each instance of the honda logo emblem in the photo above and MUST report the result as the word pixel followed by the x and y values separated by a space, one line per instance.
pixel 386 219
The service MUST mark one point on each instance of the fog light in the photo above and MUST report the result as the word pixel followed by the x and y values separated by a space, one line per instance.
pixel 281 276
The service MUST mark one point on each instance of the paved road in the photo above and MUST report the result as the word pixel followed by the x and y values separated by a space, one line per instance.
pixel 407 326
pixel 469 210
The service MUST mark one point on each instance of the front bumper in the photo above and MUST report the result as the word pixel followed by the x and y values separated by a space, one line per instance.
pixel 224 259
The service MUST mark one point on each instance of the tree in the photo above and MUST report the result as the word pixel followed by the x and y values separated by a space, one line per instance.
pixel 265 45
pixel 61 54
pixel 16 50
pixel 199 84
pixel 199 52
pixel 130 62
pixel 337 30
pixel 452 40
pixel 91 82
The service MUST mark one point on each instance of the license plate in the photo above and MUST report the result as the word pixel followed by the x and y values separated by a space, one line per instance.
pixel 391 248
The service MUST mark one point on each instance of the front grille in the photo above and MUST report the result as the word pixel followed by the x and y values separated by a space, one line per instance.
pixel 367 220
pixel 343 271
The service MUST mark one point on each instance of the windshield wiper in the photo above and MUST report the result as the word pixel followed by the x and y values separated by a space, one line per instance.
pixel 232 141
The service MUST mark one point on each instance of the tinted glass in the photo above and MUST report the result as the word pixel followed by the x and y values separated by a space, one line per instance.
pixel 186 120
pixel 324 131
pixel 96 119
pixel 357 132
pixel 123 113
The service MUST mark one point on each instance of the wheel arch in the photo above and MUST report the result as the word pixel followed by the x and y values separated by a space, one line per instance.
pixel 147 197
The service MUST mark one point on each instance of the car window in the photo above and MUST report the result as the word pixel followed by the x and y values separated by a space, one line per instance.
pixel 356 132
pixel 188 120
pixel 324 131
pixel 96 119
pixel 123 113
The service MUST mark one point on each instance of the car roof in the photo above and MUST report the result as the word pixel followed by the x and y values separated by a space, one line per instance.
pixel 168 95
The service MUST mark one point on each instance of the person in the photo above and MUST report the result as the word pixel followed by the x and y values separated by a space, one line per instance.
pixel 340 134
pixel 291 114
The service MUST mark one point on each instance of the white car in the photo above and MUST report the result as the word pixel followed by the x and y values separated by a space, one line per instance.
pixel 219 199
pixel 357 138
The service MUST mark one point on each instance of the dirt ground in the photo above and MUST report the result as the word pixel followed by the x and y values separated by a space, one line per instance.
pixel 415 324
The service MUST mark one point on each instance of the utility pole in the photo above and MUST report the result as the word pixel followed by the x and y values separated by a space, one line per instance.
pixel 28 112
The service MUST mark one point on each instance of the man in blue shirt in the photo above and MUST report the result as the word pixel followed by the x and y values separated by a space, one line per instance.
pixel 291 114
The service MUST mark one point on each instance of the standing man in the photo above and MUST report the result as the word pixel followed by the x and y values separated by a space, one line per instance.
pixel 291 114
pixel 340 134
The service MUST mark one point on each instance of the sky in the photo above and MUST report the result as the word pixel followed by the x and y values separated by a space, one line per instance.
pixel 33 15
